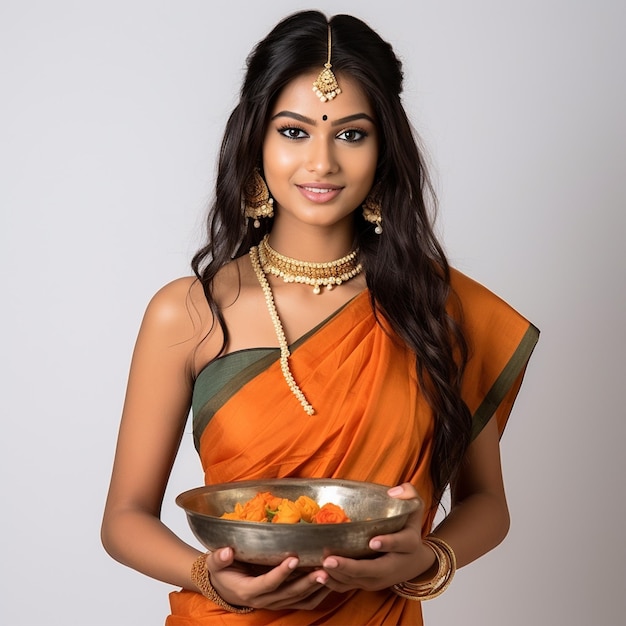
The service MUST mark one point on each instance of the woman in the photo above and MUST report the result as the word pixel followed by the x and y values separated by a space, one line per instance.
pixel 324 335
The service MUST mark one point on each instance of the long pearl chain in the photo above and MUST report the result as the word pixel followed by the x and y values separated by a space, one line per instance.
pixel 280 333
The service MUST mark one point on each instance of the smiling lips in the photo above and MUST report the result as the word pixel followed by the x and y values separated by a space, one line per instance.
pixel 319 192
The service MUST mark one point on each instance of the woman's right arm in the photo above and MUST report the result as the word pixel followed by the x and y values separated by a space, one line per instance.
pixel 155 411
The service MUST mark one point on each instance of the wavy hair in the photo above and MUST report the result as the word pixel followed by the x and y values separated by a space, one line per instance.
pixel 406 270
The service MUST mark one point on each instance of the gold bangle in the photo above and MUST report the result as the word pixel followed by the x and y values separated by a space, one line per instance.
pixel 201 579
pixel 421 591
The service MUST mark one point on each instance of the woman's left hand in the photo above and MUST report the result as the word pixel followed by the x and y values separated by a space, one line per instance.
pixel 403 555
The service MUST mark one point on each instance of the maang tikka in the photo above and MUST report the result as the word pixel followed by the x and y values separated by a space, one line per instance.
pixel 325 86
pixel 256 199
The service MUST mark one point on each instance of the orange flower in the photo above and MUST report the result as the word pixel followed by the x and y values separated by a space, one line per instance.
pixel 308 508
pixel 265 507
pixel 236 514
pixel 288 513
pixel 254 510
pixel 271 502
pixel 330 514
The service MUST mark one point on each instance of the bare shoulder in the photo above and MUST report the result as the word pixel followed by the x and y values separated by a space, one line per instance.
pixel 177 314
pixel 170 306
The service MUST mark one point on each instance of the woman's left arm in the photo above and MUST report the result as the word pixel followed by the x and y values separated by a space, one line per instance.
pixel 479 517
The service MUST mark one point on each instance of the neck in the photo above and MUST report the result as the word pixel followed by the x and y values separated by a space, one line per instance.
pixel 317 244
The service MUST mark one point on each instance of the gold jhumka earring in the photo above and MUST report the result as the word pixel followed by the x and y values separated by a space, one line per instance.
pixel 256 199
pixel 372 210
pixel 325 86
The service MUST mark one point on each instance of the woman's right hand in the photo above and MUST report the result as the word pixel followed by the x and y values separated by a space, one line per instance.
pixel 280 588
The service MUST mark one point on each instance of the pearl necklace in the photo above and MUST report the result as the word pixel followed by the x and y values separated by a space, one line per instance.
pixel 280 333
pixel 316 274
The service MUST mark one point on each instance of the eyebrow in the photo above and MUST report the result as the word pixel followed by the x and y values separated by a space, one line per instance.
pixel 307 120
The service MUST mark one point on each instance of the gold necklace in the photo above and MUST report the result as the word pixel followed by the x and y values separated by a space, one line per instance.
pixel 280 333
pixel 316 274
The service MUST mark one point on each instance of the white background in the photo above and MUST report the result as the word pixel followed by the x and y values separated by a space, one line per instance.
pixel 110 118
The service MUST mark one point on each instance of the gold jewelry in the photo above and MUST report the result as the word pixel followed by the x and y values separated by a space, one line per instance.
pixel 201 579
pixel 316 274
pixel 280 333
pixel 325 86
pixel 445 573
pixel 256 199
pixel 372 210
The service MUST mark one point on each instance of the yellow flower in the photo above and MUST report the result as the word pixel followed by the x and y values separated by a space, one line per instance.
pixel 288 513
pixel 308 508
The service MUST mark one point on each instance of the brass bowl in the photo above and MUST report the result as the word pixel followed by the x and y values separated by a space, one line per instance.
pixel 371 510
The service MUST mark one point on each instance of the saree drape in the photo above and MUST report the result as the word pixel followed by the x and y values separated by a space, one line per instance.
pixel 371 424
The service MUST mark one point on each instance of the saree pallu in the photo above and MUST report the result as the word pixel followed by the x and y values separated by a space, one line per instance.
pixel 371 423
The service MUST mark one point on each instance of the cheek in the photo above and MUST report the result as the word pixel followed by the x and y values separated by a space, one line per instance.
pixel 363 158
pixel 278 159
pixel 364 167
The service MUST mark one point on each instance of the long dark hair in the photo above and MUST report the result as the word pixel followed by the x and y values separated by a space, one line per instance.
pixel 406 269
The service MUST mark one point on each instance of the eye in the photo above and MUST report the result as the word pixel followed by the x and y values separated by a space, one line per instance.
pixel 352 135
pixel 293 132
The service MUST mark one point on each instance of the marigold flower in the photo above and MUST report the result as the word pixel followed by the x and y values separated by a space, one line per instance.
pixel 308 508
pixel 330 514
pixel 288 513
pixel 265 507
pixel 271 502
pixel 254 510
pixel 236 514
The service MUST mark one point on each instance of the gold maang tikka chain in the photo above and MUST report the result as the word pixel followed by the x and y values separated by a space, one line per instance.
pixel 291 270
pixel 325 86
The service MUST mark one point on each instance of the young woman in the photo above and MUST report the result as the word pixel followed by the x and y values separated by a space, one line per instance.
pixel 324 335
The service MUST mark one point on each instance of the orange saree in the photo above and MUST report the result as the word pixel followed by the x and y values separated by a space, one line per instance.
pixel 371 424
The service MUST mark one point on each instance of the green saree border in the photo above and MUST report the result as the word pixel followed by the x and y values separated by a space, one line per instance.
pixel 515 366
pixel 262 358
pixel 251 362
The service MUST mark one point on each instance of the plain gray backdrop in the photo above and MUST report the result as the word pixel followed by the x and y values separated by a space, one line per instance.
pixel 111 114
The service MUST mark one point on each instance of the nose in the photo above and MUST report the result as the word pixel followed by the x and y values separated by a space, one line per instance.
pixel 321 157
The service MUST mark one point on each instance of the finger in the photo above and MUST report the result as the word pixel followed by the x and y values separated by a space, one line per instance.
pixel 307 603
pixel 405 491
pixel 237 583
pixel 405 541
pixel 274 578
pixel 355 573
pixel 296 591
pixel 220 559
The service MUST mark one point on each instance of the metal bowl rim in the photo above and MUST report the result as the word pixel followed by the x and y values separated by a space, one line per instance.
pixel 411 505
